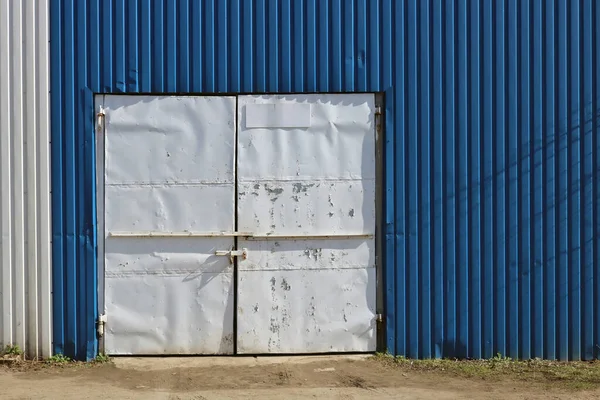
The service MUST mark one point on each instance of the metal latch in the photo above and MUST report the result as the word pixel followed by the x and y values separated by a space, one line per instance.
pixel 233 253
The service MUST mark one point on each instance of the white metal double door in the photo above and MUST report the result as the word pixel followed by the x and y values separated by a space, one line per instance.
pixel 280 187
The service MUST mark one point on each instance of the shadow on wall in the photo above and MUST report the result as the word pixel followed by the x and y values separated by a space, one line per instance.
pixel 512 248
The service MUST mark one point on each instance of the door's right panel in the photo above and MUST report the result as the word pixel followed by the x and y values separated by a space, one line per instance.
pixel 306 190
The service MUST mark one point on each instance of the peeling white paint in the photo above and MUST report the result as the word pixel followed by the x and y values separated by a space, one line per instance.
pixel 305 195
pixel 307 311
pixel 313 294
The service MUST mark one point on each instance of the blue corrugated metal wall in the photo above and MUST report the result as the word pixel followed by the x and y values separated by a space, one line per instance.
pixel 492 153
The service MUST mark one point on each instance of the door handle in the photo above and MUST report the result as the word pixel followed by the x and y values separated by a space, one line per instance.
pixel 233 253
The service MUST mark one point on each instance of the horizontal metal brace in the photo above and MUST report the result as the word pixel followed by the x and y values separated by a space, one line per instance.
pixel 248 235
pixel 311 237
pixel 177 234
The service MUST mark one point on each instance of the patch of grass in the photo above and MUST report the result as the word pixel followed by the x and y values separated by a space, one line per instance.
pixel 58 359
pixel 12 350
pixel 10 359
pixel 566 375
pixel 101 358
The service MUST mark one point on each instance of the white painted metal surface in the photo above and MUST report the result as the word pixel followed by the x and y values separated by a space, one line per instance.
pixel 169 168
pixel 25 259
pixel 305 224
pixel 318 293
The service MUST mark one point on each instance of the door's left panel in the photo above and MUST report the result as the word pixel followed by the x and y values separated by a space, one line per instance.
pixel 168 207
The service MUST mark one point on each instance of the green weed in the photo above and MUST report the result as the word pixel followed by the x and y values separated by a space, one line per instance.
pixel 12 350
pixel 102 358
pixel 58 359
pixel 566 375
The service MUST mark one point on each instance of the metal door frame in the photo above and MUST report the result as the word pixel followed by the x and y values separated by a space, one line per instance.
pixel 379 225
pixel 99 142
pixel 99 133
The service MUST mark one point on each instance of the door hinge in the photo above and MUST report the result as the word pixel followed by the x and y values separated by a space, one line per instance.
pixel 379 318
pixel 100 118
pixel 378 110
pixel 100 324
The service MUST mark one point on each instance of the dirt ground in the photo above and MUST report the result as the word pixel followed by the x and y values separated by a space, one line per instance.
pixel 348 377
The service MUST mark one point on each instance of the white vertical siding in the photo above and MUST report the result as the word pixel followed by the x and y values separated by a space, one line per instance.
pixel 25 260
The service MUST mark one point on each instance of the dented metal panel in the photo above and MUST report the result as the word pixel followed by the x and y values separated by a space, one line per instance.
pixel 169 167
pixel 298 295
pixel 307 311
pixel 314 180
pixel 168 297
pixel 306 253
pixel 302 206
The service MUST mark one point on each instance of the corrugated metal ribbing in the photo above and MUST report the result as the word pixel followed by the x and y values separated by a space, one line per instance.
pixel 492 153
pixel 25 297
